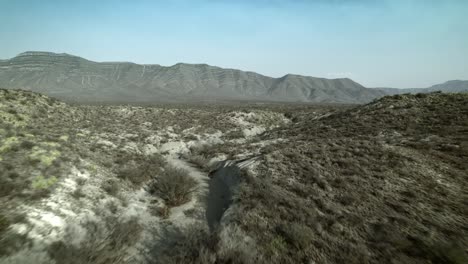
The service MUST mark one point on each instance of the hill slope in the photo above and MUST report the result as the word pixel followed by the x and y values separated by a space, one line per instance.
pixel 380 183
pixel 454 86
pixel 74 78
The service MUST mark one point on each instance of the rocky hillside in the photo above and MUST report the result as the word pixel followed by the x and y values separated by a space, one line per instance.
pixel 74 78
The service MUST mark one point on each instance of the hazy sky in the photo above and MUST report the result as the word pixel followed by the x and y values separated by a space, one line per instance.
pixel 393 43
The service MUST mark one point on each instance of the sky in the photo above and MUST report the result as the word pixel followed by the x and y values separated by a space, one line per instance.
pixel 387 43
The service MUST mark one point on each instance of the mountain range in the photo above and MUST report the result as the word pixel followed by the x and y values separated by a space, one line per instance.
pixel 74 78
pixel 454 86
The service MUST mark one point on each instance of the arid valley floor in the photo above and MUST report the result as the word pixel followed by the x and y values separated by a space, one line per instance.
pixel 384 182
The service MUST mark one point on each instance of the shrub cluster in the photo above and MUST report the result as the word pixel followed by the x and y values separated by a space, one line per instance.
pixel 175 186
pixel 139 169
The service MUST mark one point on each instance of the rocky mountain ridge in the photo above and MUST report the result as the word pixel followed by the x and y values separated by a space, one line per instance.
pixel 74 78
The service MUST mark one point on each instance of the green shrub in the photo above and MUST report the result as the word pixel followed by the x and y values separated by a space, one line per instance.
pixel 41 183
pixel 174 186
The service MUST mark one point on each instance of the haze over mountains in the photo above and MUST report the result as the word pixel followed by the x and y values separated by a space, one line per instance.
pixel 74 78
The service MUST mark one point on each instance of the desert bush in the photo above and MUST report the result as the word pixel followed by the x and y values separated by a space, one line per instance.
pixel 112 206
pixel 139 169
pixel 233 134
pixel 41 183
pixel 12 111
pixel 27 144
pixel 101 246
pixel 163 211
pixel 193 244
pixel 81 181
pixel 111 187
pixel 204 150
pixel 276 247
pixel 235 246
pixel 78 193
pixel 296 234
pixel 41 186
pixel 174 186
pixel 200 161
pixel 190 137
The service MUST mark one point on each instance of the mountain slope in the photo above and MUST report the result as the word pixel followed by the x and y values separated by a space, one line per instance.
pixel 454 86
pixel 74 78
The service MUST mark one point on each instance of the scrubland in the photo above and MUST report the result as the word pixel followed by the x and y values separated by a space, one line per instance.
pixel 234 183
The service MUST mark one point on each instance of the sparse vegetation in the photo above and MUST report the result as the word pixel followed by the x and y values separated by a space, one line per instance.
pixel 375 183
